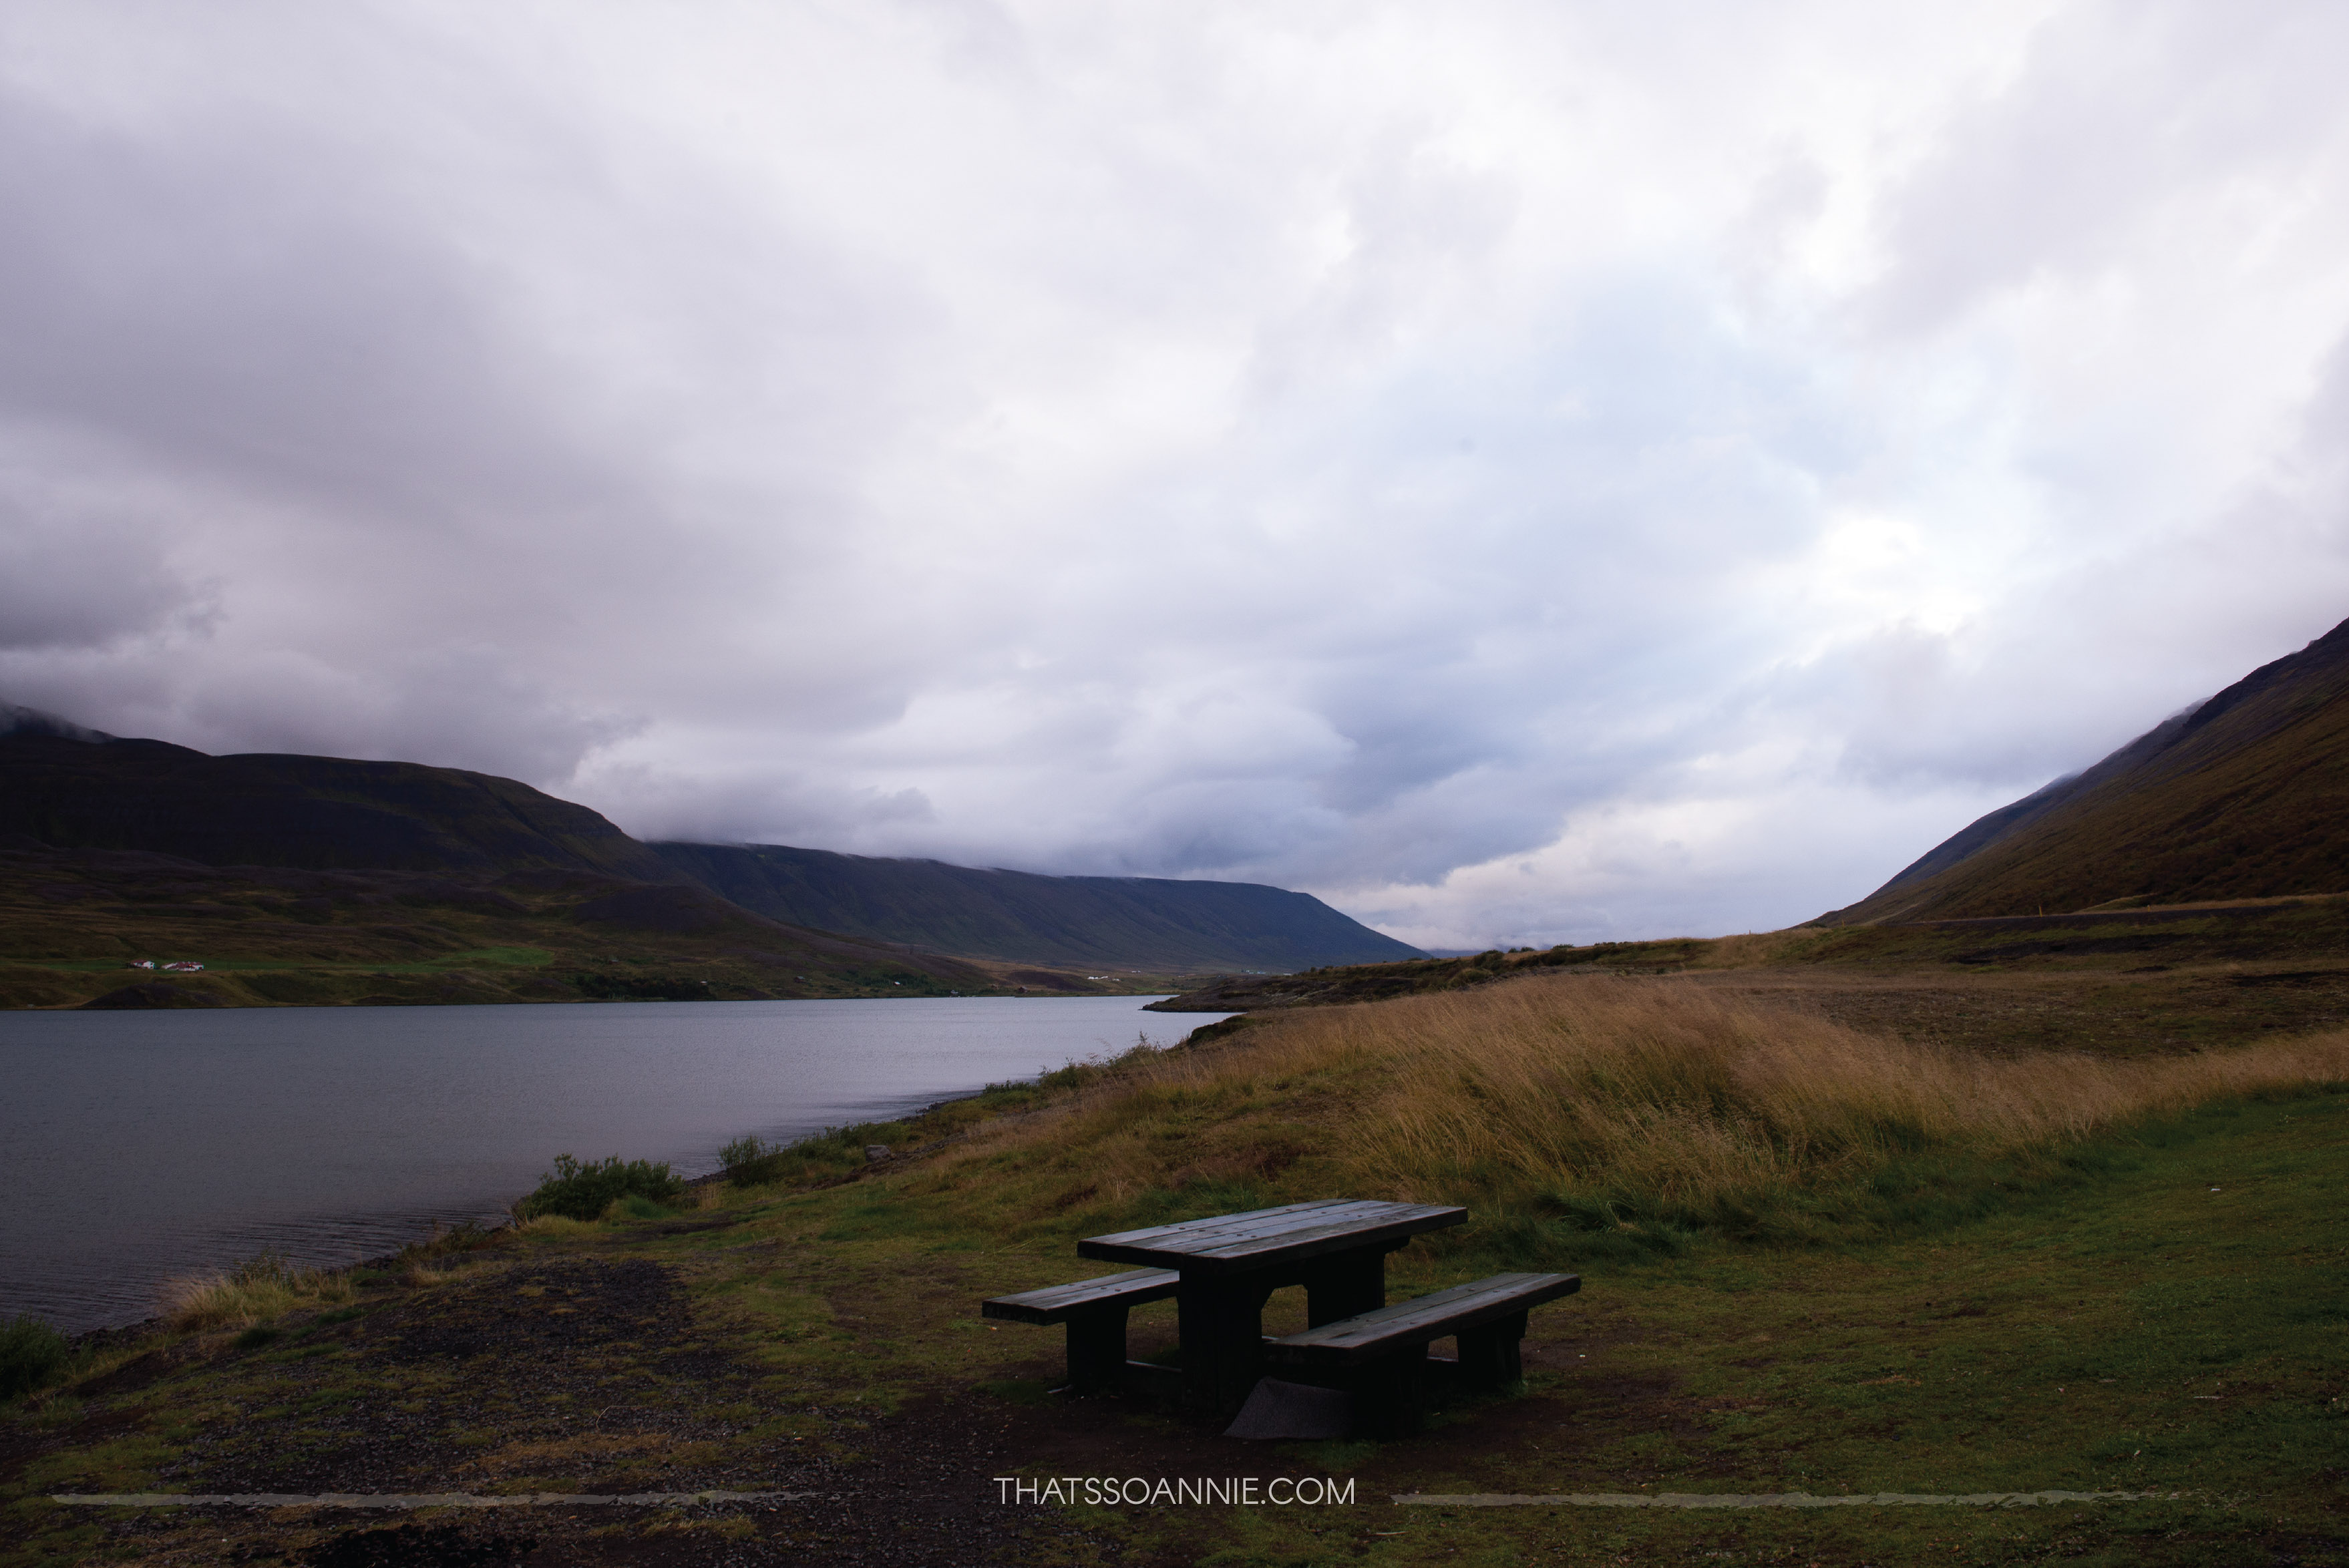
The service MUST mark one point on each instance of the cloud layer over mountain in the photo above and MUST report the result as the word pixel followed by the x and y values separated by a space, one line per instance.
pixel 1521 472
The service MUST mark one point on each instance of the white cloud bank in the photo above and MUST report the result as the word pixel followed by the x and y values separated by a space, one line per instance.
pixel 1523 472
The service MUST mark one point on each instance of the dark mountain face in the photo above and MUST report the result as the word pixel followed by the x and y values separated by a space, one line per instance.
pixel 1143 923
pixel 15 720
pixel 2244 796
pixel 318 812
pixel 68 787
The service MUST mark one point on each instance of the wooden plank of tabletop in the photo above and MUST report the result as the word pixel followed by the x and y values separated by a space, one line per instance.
pixel 1265 1238
pixel 1287 1215
pixel 1218 1229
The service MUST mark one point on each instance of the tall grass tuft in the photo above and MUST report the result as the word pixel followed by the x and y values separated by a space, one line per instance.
pixel 254 1292
pixel 1592 1115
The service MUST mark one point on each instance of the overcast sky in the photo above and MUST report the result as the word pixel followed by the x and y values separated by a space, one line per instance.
pixel 1524 473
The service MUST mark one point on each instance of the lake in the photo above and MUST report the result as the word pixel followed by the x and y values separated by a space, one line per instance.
pixel 138 1146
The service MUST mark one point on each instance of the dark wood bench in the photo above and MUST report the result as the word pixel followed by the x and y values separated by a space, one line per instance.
pixel 1095 1310
pixel 1382 1355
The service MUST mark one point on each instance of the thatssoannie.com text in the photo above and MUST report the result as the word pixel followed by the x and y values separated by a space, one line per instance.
pixel 1138 1492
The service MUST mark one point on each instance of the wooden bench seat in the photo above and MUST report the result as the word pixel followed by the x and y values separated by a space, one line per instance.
pixel 1381 1355
pixel 1094 1311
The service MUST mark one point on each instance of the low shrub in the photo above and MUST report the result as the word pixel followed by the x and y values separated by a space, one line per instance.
pixel 464 1237
pixel 578 1190
pixel 31 1352
pixel 751 1161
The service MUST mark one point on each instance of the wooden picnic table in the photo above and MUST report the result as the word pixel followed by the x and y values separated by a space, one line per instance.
pixel 1229 1264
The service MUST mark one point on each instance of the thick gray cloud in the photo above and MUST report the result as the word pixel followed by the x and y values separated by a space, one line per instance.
pixel 1525 472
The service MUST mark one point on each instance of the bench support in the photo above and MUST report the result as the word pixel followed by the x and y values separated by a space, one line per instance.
pixel 1096 1348
pixel 1094 1311
pixel 1391 1394
pixel 1381 1354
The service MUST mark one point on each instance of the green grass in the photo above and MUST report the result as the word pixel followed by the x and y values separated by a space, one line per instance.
pixel 2133 1330
pixel 2108 1323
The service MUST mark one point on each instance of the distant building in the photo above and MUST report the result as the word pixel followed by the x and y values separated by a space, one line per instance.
pixel 184 966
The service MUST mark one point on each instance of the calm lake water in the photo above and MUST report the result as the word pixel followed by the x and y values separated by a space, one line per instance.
pixel 137 1146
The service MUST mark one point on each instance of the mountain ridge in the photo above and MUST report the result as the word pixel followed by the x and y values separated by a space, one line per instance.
pixel 67 787
pixel 2243 795
pixel 1149 922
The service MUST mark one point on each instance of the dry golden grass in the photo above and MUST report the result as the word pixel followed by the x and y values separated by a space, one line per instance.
pixel 253 1292
pixel 1751 950
pixel 552 1225
pixel 1655 1091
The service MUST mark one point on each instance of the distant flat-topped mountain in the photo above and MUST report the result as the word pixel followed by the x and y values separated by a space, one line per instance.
pixel 67 788
pixel 2244 796
pixel 316 813
pixel 1148 922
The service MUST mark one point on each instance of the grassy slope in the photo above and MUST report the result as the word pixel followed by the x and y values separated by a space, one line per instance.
pixel 1126 922
pixel 70 920
pixel 2248 797
pixel 2101 1321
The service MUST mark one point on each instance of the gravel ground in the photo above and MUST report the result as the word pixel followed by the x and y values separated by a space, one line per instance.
pixel 571 1374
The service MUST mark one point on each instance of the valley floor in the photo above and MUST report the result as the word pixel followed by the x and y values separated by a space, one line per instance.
pixel 2168 1320
pixel 2108 1011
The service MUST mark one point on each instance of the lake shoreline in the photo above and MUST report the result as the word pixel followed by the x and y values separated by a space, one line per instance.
pixel 327 1135
pixel 216 1174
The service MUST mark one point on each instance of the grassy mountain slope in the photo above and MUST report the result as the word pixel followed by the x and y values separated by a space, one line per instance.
pixel 73 920
pixel 1102 921
pixel 2246 796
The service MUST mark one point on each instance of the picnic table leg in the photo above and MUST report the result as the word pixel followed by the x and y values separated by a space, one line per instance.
pixel 1493 1357
pixel 1221 1326
pixel 1344 1286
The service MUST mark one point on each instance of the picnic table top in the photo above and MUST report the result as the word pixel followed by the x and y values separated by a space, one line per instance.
pixel 1267 1238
